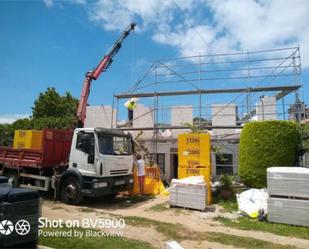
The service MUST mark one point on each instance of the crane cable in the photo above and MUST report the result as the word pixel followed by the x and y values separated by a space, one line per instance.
pixel 132 57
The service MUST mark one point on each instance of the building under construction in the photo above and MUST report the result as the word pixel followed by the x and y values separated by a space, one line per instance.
pixel 216 92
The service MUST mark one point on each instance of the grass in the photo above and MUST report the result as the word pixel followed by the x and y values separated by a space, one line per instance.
pixel 176 232
pixel 56 207
pixel 179 232
pixel 90 242
pixel 171 231
pixel 161 207
pixel 245 223
pixel 230 205
pixel 87 210
pixel 244 242
pixel 136 198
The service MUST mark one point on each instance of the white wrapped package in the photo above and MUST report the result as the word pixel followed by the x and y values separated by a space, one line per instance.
pixel 191 180
pixel 188 192
pixel 172 245
pixel 288 181
pixel 251 201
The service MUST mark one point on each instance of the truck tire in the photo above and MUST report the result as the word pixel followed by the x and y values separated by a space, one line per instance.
pixel 71 191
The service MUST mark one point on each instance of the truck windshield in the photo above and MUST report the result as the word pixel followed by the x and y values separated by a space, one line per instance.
pixel 112 145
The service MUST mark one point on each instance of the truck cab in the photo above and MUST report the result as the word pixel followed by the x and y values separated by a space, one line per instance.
pixel 100 163
pixel 84 162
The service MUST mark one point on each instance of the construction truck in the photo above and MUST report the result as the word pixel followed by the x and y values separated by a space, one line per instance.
pixel 85 162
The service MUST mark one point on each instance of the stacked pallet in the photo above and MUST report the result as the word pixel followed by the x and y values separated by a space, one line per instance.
pixel 194 157
pixel 188 192
pixel 288 189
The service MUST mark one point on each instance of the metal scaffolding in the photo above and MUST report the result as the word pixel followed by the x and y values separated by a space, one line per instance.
pixel 282 91
pixel 249 75
pixel 201 82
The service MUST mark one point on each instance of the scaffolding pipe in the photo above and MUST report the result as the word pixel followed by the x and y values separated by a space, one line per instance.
pixel 209 91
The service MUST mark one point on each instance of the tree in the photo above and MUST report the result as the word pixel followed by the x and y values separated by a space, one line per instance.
pixel 6 135
pixel 50 110
pixel 51 104
pixel 201 121
pixel 69 105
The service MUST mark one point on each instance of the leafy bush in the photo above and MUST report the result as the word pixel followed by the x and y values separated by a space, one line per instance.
pixel 303 130
pixel 226 182
pixel 266 144
pixel 6 135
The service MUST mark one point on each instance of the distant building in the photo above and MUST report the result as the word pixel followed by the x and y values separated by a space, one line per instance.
pixel 298 111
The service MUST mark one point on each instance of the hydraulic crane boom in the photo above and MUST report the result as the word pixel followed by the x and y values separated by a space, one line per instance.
pixel 94 74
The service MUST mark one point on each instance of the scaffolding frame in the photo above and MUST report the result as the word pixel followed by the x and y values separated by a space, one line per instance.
pixel 258 71
pixel 243 76
pixel 271 65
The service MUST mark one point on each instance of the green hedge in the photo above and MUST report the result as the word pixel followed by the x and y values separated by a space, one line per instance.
pixel 266 144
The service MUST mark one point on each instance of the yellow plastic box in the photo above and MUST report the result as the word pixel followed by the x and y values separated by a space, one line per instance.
pixel 192 162
pixel 184 172
pixel 28 139
pixel 194 149
pixel 193 140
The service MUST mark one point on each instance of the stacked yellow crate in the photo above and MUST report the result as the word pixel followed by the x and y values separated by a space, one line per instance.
pixel 28 139
pixel 194 158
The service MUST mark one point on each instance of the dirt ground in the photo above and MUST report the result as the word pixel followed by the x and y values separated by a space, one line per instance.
pixel 193 220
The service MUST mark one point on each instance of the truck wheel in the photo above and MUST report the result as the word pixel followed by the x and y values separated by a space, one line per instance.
pixel 71 191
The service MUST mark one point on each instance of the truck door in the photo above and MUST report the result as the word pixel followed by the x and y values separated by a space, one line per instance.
pixel 83 156
pixel 116 155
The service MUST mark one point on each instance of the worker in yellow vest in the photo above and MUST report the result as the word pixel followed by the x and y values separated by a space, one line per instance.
pixel 131 105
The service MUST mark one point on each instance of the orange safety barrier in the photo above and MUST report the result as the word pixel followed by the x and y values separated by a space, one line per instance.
pixel 153 172
pixel 153 183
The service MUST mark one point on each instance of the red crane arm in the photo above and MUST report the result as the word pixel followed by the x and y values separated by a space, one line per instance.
pixel 102 66
pixel 81 110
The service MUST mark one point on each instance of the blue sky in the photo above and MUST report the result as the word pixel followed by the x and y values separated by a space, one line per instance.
pixel 54 43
